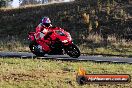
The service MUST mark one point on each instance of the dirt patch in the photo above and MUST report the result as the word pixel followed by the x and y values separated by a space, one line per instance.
pixel 28 76
pixel 31 75
pixel 18 77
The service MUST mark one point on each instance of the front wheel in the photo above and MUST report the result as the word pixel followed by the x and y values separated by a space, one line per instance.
pixel 34 49
pixel 72 50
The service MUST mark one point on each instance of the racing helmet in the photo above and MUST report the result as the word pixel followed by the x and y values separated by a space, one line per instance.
pixel 46 21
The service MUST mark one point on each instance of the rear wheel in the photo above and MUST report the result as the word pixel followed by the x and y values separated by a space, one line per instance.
pixel 34 49
pixel 72 50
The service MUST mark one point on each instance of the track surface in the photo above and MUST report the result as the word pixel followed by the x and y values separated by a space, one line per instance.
pixel 65 57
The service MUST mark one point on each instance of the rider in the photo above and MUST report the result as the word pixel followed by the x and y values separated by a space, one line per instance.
pixel 42 30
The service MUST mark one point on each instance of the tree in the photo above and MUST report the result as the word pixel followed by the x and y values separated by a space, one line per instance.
pixel 27 2
pixel 4 3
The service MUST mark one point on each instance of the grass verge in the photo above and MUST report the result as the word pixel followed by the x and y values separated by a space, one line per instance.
pixel 93 45
pixel 40 73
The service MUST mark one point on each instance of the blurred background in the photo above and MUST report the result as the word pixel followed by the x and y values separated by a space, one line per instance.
pixel 17 3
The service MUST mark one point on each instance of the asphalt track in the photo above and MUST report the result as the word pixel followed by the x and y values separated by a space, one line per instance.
pixel 67 58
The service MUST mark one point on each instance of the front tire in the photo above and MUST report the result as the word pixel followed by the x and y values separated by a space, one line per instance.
pixel 35 50
pixel 72 50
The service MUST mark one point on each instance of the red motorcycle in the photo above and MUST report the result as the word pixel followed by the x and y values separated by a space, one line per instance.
pixel 55 42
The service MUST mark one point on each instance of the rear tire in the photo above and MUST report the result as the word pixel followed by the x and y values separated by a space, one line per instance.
pixel 72 50
pixel 35 50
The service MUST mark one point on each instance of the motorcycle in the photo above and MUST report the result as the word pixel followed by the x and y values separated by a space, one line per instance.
pixel 55 42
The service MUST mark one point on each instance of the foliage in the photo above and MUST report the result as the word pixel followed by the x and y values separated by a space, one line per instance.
pixel 80 19
pixel 3 3
pixel 28 2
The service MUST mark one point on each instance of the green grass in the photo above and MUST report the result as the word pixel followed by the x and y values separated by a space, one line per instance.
pixel 40 73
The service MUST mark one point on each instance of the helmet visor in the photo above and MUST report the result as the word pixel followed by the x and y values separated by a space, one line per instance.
pixel 46 24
